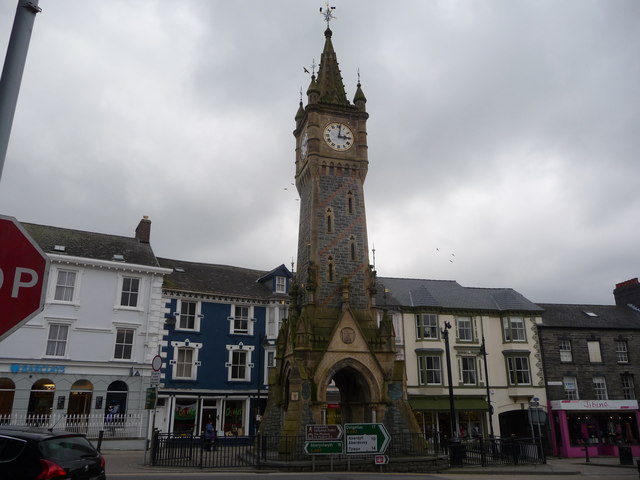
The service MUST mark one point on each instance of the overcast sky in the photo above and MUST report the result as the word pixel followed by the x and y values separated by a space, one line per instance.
pixel 504 136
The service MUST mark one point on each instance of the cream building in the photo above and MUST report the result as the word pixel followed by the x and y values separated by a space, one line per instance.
pixel 499 322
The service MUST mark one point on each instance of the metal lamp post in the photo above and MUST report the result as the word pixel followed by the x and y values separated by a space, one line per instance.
pixel 452 407
pixel 483 352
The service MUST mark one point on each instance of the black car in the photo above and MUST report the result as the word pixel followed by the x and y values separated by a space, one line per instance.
pixel 38 454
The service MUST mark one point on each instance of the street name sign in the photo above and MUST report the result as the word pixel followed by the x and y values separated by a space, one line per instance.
pixel 324 432
pixel 23 276
pixel 366 438
pixel 320 447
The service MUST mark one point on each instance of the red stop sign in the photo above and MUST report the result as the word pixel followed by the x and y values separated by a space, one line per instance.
pixel 23 276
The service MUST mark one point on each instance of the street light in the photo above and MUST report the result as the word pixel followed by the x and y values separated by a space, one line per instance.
pixel 483 352
pixel 452 407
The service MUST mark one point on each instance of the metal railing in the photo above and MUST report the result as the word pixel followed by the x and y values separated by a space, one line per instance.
pixel 118 426
pixel 496 451
pixel 192 450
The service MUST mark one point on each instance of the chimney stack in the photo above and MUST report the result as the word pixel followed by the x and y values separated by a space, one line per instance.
pixel 627 293
pixel 143 230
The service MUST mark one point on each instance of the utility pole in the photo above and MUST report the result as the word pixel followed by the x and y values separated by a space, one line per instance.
pixel 452 407
pixel 13 68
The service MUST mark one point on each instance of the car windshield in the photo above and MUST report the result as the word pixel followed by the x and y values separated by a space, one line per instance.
pixel 67 448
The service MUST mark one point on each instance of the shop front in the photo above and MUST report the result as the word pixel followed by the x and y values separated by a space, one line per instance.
pixel 188 414
pixel 433 414
pixel 594 427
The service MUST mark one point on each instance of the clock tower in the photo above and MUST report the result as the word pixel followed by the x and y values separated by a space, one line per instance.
pixel 336 353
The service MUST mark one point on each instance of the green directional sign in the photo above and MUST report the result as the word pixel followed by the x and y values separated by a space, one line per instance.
pixel 323 447
pixel 366 438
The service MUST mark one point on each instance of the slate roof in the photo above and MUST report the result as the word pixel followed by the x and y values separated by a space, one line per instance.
pixel 212 279
pixel 574 316
pixel 97 246
pixel 449 294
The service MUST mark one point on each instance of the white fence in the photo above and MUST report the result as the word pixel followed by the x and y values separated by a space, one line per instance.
pixel 118 426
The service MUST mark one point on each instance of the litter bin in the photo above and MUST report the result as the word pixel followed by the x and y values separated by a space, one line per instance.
pixel 457 452
pixel 626 457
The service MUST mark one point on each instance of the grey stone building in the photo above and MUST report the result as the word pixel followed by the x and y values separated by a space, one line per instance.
pixel 591 357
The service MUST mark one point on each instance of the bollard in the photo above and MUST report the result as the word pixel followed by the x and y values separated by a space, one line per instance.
pixel 586 453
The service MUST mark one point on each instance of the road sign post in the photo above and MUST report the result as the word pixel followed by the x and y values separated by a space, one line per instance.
pixel 366 438
pixel 23 276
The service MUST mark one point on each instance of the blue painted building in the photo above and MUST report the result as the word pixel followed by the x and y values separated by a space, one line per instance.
pixel 218 345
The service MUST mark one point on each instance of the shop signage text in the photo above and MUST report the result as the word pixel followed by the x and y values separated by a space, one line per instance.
pixel 25 368
pixel 594 405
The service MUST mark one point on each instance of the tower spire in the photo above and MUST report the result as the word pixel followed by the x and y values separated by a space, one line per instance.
pixel 329 77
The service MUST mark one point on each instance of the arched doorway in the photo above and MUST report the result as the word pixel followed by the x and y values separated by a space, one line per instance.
pixel 41 402
pixel 79 406
pixel 7 392
pixel 349 394
pixel 80 398
pixel 117 393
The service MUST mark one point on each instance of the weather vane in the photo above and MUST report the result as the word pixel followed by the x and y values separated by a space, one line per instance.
pixel 313 68
pixel 327 13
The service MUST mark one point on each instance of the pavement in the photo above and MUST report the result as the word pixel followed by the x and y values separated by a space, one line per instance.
pixel 132 461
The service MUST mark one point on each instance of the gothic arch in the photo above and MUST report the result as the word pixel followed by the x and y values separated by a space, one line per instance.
pixel 359 391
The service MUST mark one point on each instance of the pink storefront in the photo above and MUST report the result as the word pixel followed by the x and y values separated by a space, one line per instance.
pixel 597 425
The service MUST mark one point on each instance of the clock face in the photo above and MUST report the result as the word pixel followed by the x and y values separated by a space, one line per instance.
pixel 338 136
pixel 304 146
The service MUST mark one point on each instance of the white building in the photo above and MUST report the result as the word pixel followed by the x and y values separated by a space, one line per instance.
pixel 90 349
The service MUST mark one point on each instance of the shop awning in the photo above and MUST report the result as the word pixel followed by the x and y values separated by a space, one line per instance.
pixel 442 403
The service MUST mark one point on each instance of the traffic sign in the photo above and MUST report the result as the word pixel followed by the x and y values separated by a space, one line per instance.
pixel 323 447
pixel 155 378
pixel 381 459
pixel 156 363
pixel 23 276
pixel 366 438
pixel 324 432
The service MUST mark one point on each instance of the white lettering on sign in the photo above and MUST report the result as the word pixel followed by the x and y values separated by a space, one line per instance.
pixel 18 283
pixel 362 443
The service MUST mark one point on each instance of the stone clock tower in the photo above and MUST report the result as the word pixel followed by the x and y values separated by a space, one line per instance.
pixel 336 358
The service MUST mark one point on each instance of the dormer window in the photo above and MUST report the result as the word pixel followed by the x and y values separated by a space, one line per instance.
pixel 281 285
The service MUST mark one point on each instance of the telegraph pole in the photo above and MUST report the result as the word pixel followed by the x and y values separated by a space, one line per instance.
pixel 13 68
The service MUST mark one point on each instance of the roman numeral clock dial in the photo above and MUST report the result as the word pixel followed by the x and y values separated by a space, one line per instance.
pixel 338 136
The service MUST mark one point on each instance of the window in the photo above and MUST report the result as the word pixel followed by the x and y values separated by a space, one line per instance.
pixel 281 285
pixel 570 388
pixel 464 329
pixel 426 326
pixel 329 220
pixel 352 248
pixel 350 202
pixel 429 370
pixel 124 343
pixel 240 322
pixel 184 363
pixel 594 351
pixel 518 368
pixel 628 387
pixel 57 340
pixel 189 317
pixel 513 329
pixel 622 353
pixel 130 291
pixel 239 365
pixel 600 388
pixel 65 286
pixel 185 360
pixel 468 370
pixel 330 272
pixel 565 351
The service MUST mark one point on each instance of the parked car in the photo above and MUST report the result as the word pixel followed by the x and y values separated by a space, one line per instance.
pixel 39 454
